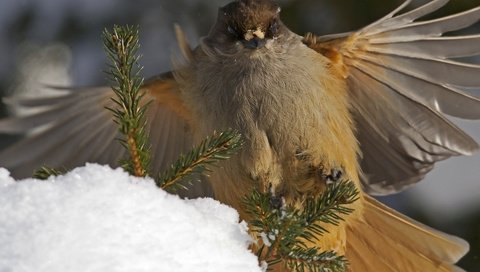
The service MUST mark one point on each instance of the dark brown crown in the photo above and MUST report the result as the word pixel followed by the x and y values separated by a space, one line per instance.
pixel 244 15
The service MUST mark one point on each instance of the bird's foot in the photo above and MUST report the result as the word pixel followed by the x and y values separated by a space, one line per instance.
pixel 276 201
pixel 333 176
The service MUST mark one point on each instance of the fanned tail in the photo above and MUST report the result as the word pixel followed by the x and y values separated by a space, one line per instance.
pixel 385 240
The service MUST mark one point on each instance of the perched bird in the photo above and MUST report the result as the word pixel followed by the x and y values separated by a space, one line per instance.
pixel 368 105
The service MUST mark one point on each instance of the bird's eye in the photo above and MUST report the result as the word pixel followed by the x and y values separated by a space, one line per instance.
pixel 273 28
pixel 232 31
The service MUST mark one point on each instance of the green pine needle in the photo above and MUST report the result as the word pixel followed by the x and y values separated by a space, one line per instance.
pixel 284 232
pixel 328 208
pixel 213 149
pixel 121 46
pixel 303 260
pixel 45 172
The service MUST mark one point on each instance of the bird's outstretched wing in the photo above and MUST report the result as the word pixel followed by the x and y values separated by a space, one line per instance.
pixel 404 77
pixel 75 127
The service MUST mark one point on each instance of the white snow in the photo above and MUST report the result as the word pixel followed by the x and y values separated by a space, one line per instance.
pixel 95 218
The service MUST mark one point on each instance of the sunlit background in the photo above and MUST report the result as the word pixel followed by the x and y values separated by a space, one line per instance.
pixel 59 42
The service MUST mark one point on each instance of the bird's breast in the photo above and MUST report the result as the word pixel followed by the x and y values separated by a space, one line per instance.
pixel 292 112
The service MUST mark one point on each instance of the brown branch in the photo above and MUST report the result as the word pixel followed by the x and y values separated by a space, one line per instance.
pixel 138 169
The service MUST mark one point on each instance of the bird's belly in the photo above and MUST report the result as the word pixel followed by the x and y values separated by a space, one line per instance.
pixel 297 128
pixel 294 140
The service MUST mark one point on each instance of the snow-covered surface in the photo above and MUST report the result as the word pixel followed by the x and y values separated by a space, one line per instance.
pixel 98 219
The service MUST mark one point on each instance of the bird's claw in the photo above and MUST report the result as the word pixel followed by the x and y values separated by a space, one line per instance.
pixel 334 176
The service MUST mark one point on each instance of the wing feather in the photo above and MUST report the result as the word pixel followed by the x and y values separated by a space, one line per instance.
pixel 55 113
pixel 450 72
pixel 414 14
pixel 439 97
pixel 435 47
pixel 73 127
pixel 389 16
pixel 401 31
pixel 402 83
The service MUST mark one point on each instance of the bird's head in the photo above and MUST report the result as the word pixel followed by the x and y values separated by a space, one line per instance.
pixel 247 24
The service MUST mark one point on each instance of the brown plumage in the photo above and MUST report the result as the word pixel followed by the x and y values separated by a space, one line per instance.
pixel 370 105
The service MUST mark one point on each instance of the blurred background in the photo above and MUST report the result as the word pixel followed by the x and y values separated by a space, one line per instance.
pixel 59 42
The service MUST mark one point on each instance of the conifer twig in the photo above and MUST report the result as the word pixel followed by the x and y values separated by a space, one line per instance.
pixel 121 46
pixel 45 172
pixel 284 232
pixel 218 147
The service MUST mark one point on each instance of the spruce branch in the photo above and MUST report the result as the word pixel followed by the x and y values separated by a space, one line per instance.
pixel 284 232
pixel 218 147
pixel 311 260
pixel 121 46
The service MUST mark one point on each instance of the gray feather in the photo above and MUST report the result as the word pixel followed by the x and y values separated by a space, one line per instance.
pixel 431 28
pixel 424 88
pixel 402 82
pixel 74 128
pixel 435 47
pixel 390 22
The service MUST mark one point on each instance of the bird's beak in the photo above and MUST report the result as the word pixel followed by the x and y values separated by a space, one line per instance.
pixel 254 39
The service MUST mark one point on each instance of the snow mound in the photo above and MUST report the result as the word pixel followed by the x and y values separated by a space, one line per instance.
pixel 98 219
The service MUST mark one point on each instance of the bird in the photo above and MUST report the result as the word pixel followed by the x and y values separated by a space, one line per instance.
pixel 369 105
